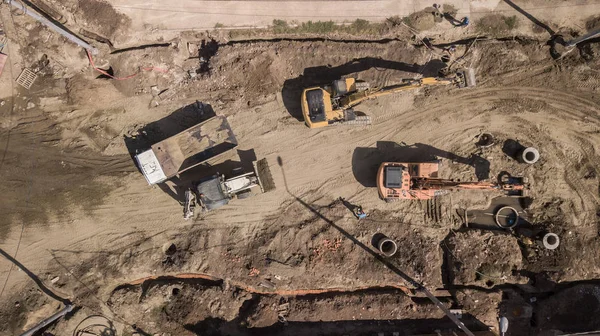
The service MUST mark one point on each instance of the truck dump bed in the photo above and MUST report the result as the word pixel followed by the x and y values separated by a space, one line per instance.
pixel 187 149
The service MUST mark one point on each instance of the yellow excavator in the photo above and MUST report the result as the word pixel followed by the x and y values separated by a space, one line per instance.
pixel 332 104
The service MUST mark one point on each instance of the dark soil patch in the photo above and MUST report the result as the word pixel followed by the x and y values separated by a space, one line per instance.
pixel 103 16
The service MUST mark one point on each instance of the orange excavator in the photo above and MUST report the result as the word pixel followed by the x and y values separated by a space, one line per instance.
pixel 420 181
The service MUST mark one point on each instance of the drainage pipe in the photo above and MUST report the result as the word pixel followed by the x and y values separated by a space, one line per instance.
pixel 49 24
pixel 49 320
pixel 575 41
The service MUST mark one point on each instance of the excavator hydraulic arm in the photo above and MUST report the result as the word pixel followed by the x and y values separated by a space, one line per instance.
pixel 463 78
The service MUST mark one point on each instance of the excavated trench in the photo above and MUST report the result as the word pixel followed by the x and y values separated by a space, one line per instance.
pixel 525 305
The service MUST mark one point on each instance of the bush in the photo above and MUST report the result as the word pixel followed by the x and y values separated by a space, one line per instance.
pixel 511 22
pixel 280 26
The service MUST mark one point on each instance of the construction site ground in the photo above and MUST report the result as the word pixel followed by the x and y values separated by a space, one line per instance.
pixel 78 221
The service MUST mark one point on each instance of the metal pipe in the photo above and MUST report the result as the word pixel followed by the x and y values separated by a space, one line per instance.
pixel 590 35
pixel 54 27
pixel 49 320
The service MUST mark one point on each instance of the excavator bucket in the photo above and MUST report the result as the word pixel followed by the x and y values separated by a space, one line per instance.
pixel 189 204
pixel 466 78
pixel 263 172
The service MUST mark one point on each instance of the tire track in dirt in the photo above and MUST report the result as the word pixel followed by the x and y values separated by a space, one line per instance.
pixel 102 164
pixel 568 104
pixel 387 129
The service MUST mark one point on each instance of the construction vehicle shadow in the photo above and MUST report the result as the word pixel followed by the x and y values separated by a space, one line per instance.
pixel 512 148
pixel 323 75
pixel 366 160
pixel 410 281
pixel 176 122
pixel 176 186
pixel 217 326
pixel 531 17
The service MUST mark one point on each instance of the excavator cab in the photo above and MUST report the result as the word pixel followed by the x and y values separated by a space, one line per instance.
pixel 315 104
pixel 321 106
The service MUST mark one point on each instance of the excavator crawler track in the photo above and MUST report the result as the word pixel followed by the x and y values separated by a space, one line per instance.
pixel 358 121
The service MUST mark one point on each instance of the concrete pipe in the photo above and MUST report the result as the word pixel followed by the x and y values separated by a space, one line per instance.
pixel 530 155
pixel 387 247
pixel 507 217
pixel 485 140
pixel 551 241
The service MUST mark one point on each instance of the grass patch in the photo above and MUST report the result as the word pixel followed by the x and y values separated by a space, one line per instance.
pixel 317 27
pixel 219 25
pixel 357 27
pixel 497 24
pixel 511 22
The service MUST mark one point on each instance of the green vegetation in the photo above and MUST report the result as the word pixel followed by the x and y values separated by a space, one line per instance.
pixel 280 26
pixel 497 24
pixel 511 22
pixel 219 25
pixel 358 27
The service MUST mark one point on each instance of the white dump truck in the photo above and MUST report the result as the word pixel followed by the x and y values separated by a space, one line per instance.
pixel 186 150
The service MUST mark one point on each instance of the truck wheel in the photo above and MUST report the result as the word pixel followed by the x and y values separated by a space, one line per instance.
pixel 244 194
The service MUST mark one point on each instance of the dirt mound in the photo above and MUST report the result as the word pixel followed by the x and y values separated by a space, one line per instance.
pixel 422 20
pixel 485 259
pixel 102 16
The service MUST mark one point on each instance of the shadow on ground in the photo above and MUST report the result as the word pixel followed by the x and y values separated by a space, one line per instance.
pixel 323 75
pixel 176 122
pixel 366 160
pixel 484 219
pixel 215 326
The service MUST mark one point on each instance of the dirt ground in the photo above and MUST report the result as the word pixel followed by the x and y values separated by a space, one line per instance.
pixel 78 215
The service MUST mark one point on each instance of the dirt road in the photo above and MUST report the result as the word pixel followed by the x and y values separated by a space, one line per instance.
pixel 201 15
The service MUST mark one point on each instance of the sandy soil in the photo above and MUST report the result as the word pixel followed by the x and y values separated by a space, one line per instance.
pixel 78 214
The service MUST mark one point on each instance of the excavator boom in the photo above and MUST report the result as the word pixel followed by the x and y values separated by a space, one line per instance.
pixel 354 99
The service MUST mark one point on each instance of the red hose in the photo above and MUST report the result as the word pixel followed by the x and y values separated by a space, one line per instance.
pixel 122 78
